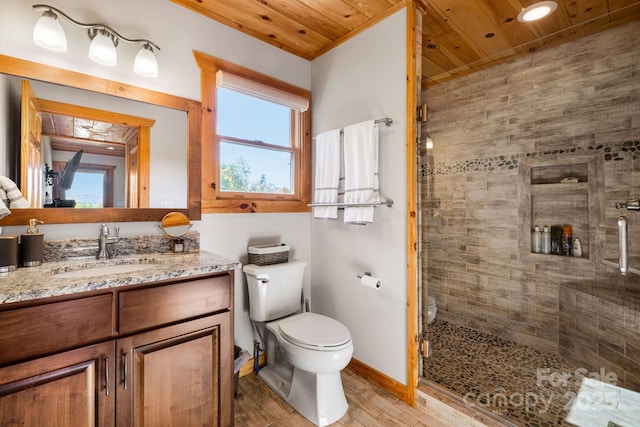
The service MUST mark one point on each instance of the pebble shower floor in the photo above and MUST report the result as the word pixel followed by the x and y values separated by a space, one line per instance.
pixel 517 383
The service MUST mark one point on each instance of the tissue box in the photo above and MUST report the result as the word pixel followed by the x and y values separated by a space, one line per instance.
pixel 274 253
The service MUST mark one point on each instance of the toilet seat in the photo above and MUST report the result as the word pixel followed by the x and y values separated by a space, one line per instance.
pixel 315 331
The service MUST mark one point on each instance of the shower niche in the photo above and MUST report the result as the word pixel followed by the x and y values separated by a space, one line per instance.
pixel 561 192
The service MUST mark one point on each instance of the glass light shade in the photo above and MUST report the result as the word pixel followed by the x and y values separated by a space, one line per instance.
pixel 145 63
pixel 537 11
pixel 48 33
pixel 102 50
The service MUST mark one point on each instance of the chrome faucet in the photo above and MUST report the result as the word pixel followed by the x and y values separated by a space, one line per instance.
pixel 104 239
pixel 630 205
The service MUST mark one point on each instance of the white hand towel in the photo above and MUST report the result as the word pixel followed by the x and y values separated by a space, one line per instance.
pixel 4 211
pixel 13 193
pixel 327 174
pixel 360 171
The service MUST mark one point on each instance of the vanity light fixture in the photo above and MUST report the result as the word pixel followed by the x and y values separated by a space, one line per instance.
pixel 537 11
pixel 49 34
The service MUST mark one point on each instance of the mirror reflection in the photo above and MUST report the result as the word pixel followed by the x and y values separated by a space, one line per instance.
pixel 175 224
pixel 134 154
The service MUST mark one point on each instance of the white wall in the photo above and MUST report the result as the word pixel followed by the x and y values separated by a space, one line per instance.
pixel 362 79
pixel 178 32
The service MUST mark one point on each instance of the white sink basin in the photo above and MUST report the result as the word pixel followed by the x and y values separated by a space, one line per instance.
pixel 102 269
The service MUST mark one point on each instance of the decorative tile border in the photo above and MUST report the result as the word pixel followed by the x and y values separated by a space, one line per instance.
pixel 627 150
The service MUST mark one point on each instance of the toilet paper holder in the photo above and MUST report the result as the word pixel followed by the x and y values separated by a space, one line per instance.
pixel 367 279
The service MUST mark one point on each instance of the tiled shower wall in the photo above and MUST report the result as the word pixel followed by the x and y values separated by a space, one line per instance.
pixel 575 101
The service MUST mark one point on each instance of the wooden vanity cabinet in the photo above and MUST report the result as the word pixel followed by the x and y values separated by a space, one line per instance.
pixel 167 362
pixel 73 388
pixel 171 376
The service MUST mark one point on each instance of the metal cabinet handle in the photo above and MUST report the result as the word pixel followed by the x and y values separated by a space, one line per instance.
pixel 106 376
pixel 125 370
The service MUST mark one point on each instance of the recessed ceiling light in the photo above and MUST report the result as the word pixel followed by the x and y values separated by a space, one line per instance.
pixel 537 11
pixel 110 148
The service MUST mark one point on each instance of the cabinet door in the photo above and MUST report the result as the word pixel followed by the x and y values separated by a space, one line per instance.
pixel 75 388
pixel 174 376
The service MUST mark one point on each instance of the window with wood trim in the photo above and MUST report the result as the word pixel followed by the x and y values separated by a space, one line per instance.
pixel 92 187
pixel 256 142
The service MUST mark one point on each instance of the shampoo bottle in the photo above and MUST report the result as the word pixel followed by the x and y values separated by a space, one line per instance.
pixel 577 247
pixel 546 240
pixel 536 240
pixel 567 241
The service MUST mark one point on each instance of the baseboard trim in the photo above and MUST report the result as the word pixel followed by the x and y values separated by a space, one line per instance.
pixel 247 368
pixel 383 381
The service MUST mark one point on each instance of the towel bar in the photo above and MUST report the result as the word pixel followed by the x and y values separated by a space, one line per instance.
pixel 386 120
pixel 388 203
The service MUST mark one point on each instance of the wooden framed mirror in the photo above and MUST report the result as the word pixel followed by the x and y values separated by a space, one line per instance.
pixel 31 70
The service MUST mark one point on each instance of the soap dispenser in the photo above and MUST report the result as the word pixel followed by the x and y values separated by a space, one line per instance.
pixel 32 245
pixel 8 253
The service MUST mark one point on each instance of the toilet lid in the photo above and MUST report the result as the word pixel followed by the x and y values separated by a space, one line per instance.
pixel 431 301
pixel 311 329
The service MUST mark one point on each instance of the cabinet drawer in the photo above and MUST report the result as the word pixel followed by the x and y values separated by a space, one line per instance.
pixel 44 329
pixel 145 308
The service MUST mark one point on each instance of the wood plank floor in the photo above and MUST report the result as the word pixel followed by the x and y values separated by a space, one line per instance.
pixel 258 406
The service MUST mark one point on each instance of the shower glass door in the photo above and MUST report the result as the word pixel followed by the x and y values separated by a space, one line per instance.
pixel 534 335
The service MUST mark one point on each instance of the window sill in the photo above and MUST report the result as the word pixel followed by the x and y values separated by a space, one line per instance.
pixel 254 206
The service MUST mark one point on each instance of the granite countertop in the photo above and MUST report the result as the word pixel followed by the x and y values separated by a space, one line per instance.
pixel 76 275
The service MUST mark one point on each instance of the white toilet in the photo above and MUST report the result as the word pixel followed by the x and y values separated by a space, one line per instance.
pixel 305 351
pixel 432 309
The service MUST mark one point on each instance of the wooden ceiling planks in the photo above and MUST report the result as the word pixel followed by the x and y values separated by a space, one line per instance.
pixel 71 134
pixel 74 127
pixel 459 36
pixel 302 27
pixel 315 17
pixel 262 22
pixel 458 47
pixel 72 145
pixel 340 12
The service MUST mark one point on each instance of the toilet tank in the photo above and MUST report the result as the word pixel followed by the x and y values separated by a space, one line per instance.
pixel 275 290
